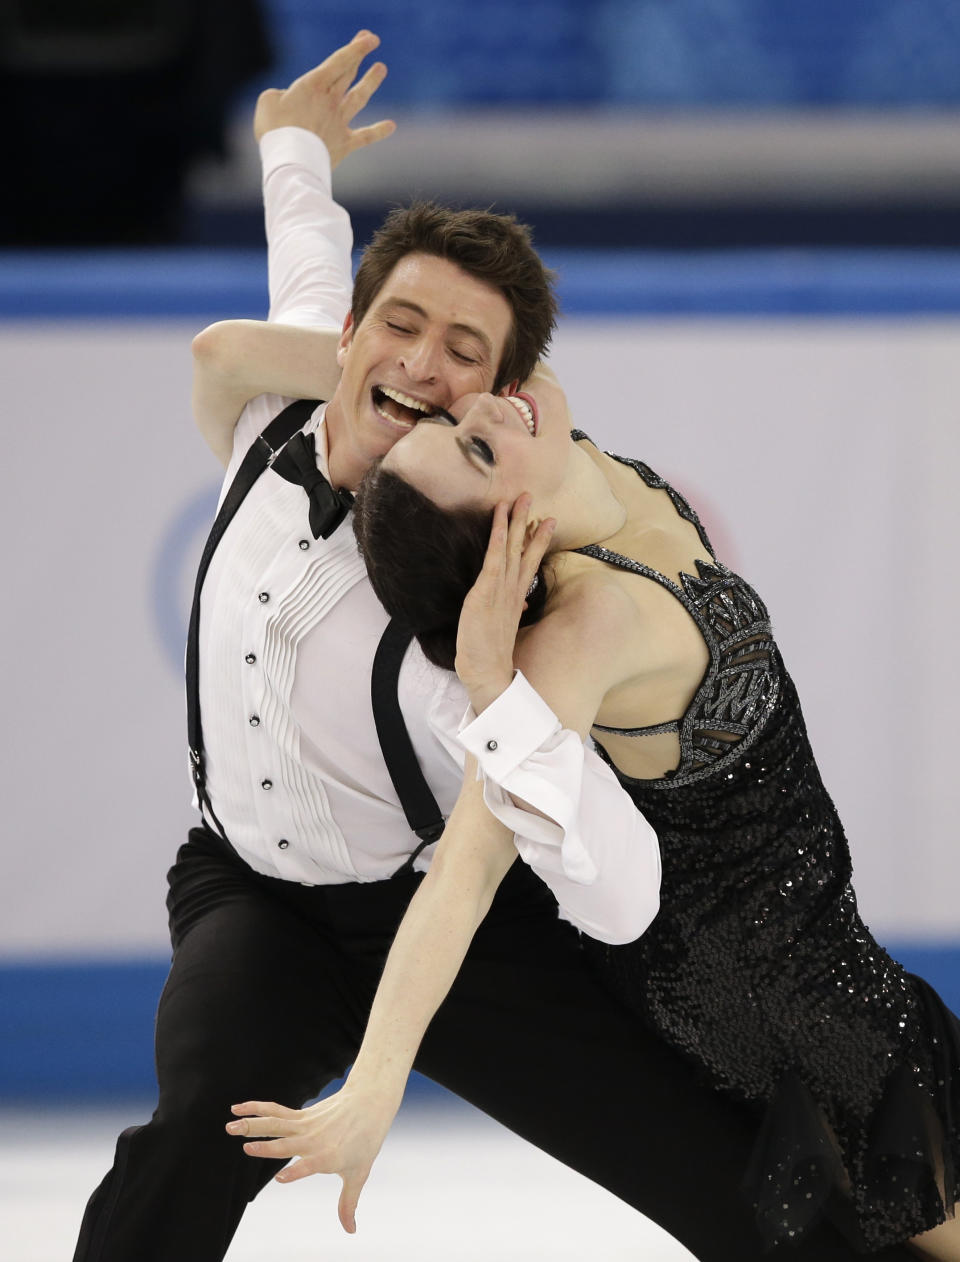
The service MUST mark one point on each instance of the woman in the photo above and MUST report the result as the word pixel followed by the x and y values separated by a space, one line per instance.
pixel 758 967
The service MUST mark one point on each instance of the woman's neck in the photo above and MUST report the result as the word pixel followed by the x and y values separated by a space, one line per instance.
pixel 586 507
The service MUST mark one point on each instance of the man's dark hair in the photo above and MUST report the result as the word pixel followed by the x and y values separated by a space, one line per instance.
pixel 495 249
pixel 422 560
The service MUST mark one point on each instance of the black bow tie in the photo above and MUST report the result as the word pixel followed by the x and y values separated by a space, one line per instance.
pixel 297 462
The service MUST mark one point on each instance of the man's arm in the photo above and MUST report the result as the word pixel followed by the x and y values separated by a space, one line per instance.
pixel 573 823
pixel 304 131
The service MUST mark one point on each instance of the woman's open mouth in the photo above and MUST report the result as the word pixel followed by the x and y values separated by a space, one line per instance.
pixel 526 405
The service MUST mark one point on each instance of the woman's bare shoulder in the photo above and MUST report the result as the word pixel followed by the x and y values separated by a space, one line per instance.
pixel 580 649
pixel 585 589
pixel 639 627
pixel 585 605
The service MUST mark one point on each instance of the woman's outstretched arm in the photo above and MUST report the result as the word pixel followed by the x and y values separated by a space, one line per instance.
pixel 344 1133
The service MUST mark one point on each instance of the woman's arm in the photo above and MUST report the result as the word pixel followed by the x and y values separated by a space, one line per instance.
pixel 574 824
pixel 235 360
pixel 343 1134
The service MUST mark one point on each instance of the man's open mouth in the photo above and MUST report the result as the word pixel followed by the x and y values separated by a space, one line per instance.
pixel 398 408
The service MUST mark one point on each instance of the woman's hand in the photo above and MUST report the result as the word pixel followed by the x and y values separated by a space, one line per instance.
pixel 340 1135
pixel 494 605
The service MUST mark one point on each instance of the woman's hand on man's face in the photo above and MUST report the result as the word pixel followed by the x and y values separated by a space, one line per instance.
pixel 490 618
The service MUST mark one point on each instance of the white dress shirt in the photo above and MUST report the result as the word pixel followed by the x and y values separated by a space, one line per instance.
pixel 288 629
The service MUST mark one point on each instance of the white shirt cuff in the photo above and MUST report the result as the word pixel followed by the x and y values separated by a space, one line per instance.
pixel 509 730
pixel 295 146
pixel 523 752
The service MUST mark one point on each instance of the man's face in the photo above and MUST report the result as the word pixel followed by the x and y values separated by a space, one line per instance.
pixel 432 334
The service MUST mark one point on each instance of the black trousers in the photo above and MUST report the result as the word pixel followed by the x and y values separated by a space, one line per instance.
pixel 267 998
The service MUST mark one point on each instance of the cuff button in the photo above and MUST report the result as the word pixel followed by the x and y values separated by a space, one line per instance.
pixel 491 745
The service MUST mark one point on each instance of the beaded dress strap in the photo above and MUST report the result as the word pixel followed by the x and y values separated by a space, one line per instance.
pixel 656 483
pixel 652 479
pixel 652 729
pixel 741 684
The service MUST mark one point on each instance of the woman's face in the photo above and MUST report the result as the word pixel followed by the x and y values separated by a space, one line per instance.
pixel 490 448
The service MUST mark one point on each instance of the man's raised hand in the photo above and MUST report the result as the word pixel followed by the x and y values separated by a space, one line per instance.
pixel 326 100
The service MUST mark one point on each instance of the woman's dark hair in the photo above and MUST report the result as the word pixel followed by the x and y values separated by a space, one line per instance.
pixel 496 249
pixel 422 560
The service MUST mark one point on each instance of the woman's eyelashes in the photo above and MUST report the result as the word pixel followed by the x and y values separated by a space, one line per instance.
pixel 441 414
pixel 473 444
pixel 483 450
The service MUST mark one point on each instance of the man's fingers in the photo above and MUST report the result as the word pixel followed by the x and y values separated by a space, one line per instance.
pixel 341 66
pixel 268 96
pixel 363 90
pixel 370 135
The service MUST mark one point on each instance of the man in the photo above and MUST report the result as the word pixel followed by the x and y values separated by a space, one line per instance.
pixel 284 902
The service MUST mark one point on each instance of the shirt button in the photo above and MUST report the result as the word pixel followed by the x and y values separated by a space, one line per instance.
pixel 250 658
pixel 491 745
pixel 282 844
pixel 263 597
pixel 254 720
pixel 304 544
pixel 266 784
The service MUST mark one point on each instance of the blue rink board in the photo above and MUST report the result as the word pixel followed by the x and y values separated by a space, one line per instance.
pixel 206 285
pixel 83 1030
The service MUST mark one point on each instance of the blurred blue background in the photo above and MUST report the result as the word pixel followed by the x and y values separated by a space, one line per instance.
pixel 668 123
pixel 678 53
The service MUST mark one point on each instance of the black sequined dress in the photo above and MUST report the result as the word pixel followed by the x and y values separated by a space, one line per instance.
pixel 758 966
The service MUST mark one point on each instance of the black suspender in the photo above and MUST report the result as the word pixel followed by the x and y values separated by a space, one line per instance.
pixel 281 428
pixel 419 805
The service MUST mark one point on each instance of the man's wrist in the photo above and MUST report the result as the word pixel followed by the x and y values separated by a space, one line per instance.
pixel 295 146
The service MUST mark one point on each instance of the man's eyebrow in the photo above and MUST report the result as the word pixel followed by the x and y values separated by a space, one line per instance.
pixel 406 305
